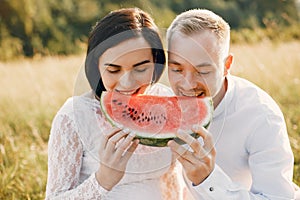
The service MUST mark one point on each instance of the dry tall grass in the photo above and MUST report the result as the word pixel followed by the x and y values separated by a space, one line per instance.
pixel 33 90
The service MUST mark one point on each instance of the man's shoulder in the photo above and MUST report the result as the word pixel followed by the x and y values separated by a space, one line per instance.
pixel 250 96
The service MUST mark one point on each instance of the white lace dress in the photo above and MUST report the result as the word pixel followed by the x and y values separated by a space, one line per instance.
pixel 73 159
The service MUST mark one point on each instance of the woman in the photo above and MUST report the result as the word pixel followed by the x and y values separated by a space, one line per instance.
pixel 89 159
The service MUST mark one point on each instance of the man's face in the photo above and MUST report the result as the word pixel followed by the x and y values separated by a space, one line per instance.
pixel 196 65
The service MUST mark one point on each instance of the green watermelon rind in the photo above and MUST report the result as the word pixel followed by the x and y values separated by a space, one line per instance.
pixel 157 141
pixel 162 142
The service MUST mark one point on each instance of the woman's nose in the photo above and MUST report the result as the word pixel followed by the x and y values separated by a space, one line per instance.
pixel 127 81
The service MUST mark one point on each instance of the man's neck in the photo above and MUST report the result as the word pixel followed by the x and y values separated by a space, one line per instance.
pixel 218 98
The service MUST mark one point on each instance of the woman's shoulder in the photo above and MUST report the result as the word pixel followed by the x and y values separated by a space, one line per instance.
pixel 78 103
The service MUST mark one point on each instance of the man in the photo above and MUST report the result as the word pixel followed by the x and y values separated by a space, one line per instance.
pixel 246 152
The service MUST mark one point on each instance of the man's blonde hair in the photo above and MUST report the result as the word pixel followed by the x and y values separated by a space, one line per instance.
pixel 197 20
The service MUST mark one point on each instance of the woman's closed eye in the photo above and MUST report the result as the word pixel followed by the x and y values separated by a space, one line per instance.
pixel 141 68
pixel 113 68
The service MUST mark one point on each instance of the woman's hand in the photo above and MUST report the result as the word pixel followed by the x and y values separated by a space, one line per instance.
pixel 199 162
pixel 115 150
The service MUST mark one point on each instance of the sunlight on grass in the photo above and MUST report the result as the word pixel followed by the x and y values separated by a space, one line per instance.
pixel 33 90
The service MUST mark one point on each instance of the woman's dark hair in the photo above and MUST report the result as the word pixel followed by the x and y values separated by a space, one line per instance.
pixel 114 28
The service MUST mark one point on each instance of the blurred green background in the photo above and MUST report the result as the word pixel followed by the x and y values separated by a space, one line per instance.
pixel 51 27
pixel 42 50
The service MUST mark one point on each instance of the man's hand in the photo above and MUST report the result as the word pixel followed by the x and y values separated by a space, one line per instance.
pixel 199 162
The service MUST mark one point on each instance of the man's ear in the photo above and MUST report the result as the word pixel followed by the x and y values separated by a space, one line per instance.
pixel 228 63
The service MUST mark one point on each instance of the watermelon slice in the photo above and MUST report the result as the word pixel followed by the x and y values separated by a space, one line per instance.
pixel 156 119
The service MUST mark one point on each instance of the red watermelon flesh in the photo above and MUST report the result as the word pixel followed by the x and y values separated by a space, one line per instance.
pixel 156 119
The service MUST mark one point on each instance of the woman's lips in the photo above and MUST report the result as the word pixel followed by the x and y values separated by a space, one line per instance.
pixel 128 92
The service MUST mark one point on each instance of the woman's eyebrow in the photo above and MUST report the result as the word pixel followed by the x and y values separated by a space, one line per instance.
pixel 141 63
pixel 135 65
pixel 111 64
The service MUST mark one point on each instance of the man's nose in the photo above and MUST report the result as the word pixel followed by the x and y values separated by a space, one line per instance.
pixel 189 81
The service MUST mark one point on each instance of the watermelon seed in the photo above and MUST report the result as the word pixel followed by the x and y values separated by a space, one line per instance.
pixel 129 109
pixel 125 106
pixel 114 100
pixel 142 114
pixel 133 118
pixel 120 103
pixel 135 112
pixel 138 117
pixel 148 119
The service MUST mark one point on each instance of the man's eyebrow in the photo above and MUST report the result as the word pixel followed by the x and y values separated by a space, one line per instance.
pixel 141 63
pixel 174 62
pixel 205 64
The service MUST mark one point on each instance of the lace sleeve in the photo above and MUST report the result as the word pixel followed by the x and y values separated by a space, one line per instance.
pixel 65 152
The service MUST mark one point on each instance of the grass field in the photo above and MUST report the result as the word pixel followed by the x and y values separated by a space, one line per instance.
pixel 33 90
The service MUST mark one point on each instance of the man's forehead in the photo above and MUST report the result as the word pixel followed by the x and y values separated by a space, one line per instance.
pixel 193 47
pixel 194 57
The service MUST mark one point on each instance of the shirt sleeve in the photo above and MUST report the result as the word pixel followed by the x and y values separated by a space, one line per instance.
pixel 271 165
pixel 64 163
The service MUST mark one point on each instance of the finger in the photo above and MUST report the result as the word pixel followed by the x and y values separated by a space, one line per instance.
pixel 121 149
pixel 107 136
pixel 190 140
pixel 181 152
pixel 185 163
pixel 111 144
pixel 130 150
pixel 207 138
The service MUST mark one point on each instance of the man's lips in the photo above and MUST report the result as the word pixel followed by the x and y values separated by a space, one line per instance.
pixel 193 93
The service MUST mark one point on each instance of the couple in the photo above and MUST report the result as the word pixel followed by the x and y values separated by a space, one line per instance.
pixel 245 153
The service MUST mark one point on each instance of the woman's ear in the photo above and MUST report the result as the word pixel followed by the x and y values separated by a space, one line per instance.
pixel 228 63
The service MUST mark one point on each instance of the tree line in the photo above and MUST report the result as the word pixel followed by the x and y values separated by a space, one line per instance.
pixel 53 27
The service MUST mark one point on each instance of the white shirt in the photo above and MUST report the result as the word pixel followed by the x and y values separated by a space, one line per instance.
pixel 254 158
pixel 73 157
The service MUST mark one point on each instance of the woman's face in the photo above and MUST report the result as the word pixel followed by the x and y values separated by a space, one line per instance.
pixel 127 67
